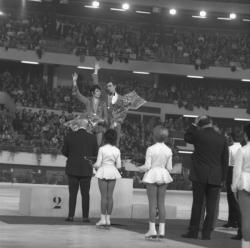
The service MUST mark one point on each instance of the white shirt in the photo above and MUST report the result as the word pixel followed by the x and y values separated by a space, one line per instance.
pixel 108 155
pixel 113 98
pixel 232 152
pixel 158 155
pixel 241 172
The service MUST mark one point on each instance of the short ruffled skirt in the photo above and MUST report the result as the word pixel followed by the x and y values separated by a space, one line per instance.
pixel 157 175
pixel 108 173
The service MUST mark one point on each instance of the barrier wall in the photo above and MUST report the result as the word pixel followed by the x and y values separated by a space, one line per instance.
pixel 52 200
pixel 148 66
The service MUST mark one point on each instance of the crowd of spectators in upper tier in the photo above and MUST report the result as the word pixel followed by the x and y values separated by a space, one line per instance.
pixel 119 41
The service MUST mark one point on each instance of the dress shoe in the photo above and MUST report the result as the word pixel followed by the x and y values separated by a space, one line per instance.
pixel 190 235
pixel 69 219
pixel 85 220
pixel 237 237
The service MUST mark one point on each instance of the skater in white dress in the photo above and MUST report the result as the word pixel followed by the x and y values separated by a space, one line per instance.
pixel 107 165
pixel 157 165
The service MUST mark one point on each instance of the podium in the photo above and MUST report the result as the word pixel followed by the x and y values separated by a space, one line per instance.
pixel 52 200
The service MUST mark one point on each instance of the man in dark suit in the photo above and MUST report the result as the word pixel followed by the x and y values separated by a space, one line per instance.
pixel 207 173
pixel 77 146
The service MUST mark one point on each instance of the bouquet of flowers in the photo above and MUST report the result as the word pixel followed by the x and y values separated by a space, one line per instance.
pixel 129 101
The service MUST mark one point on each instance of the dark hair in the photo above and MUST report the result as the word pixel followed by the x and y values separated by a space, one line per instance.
pixel 204 120
pixel 247 131
pixel 110 137
pixel 236 135
pixel 94 88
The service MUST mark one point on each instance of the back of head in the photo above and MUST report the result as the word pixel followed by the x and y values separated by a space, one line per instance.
pixel 110 137
pixel 237 135
pixel 160 134
pixel 205 121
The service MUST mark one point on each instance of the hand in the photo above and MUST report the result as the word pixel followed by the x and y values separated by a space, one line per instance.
pixel 196 121
pixel 74 77
pixel 97 67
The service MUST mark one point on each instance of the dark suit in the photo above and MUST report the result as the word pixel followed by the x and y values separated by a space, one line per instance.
pixel 76 146
pixel 207 172
pixel 115 115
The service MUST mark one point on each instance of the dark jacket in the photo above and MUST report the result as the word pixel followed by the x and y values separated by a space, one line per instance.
pixel 210 157
pixel 76 146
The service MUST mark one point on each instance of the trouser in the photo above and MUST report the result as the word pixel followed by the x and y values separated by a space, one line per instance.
pixel 233 206
pixel 74 183
pixel 210 193
pixel 244 203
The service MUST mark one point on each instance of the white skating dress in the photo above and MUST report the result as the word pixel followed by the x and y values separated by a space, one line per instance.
pixel 107 163
pixel 158 164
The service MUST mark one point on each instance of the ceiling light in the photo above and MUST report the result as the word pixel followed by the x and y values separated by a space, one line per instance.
pixel 172 11
pixel 141 72
pixel 190 116
pixel 232 16
pixel 85 67
pixel 241 119
pixel 203 14
pixel 29 62
pixel 125 6
pixel 192 76
pixel 143 12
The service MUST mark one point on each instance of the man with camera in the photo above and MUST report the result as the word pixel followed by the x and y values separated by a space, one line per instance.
pixel 207 173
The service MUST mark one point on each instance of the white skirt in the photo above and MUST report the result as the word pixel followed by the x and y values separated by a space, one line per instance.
pixel 157 175
pixel 108 173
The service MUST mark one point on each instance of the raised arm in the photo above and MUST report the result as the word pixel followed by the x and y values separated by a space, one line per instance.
pixel 95 74
pixel 76 91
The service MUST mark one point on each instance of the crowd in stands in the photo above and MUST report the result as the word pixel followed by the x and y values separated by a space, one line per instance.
pixel 118 41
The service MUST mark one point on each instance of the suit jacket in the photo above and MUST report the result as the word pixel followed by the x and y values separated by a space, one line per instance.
pixel 76 146
pixel 210 157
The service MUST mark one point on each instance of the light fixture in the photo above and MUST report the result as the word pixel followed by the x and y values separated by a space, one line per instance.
pixel 95 5
pixel 141 72
pixel 185 152
pixel 241 119
pixel 29 62
pixel 193 76
pixel 1 13
pixel 190 116
pixel 143 12
pixel 224 18
pixel 125 6
pixel 246 20
pixel 116 9
pixel 172 11
pixel 232 16
pixel 85 67
pixel 203 14
pixel 245 80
